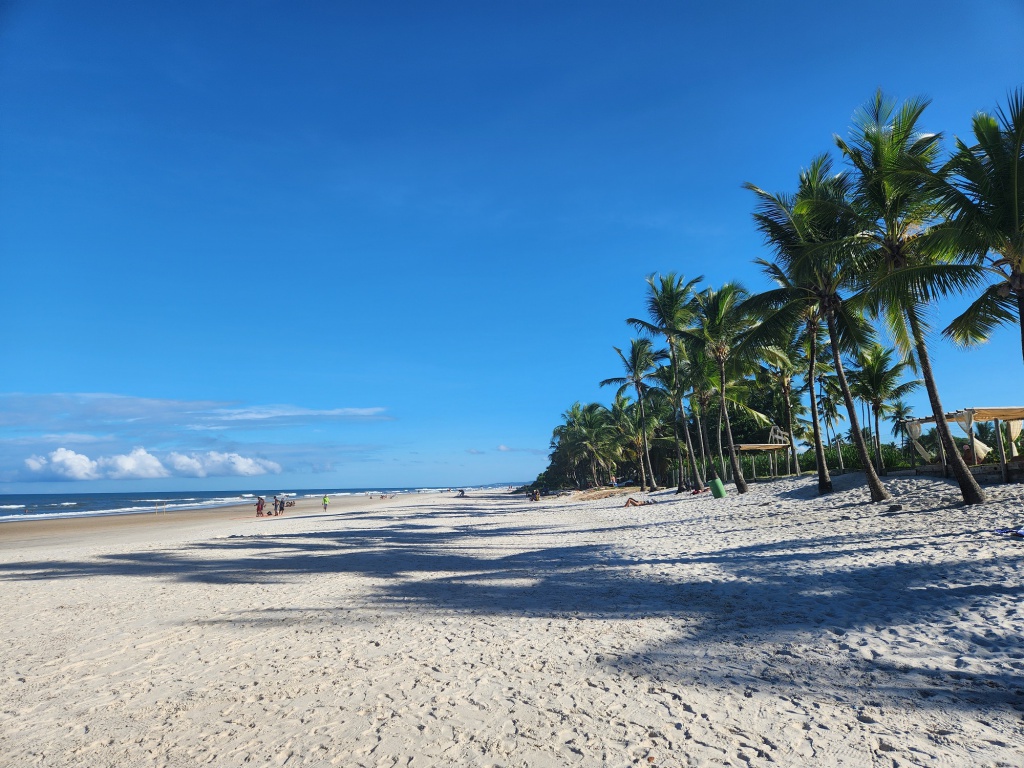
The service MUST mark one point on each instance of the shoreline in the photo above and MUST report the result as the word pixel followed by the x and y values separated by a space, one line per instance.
pixel 342 497
pixel 26 531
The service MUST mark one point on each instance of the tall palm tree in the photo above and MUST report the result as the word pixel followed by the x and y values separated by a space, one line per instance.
pixel 700 376
pixel 899 412
pixel 878 381
pixel 828 397
pixel 720 323
pixel 901 262
pixel 670 308
pixel 625 420
pixel 812 273
pixel 782 361
pixel 639 366
pixel 983 188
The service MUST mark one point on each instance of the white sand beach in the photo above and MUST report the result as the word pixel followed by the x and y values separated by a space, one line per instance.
pixel 775 628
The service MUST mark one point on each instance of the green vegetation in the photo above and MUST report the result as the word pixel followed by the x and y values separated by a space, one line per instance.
pixel 876 244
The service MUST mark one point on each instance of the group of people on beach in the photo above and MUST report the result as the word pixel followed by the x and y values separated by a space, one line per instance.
pixel 261 503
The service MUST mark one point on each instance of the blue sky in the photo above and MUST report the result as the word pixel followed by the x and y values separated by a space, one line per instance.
pixel 387 244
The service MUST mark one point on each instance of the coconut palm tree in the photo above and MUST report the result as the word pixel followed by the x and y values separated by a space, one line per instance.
pixel 720 323
pixel 982 187
pixel 699 375
pixel 899 412
pixel 625 421
pixel 878 381
pixel 901 263
pixel 782 362
pixel 812 273
pixel 670 308
pixel 639 366
pixel 585 436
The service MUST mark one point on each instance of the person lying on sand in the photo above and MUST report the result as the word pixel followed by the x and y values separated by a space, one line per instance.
pixel 631 502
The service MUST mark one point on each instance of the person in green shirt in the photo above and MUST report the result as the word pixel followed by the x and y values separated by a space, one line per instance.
pixel 326 502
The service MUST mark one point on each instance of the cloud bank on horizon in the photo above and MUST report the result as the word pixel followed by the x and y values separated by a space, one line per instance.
pixel 65 464
pixel 86 436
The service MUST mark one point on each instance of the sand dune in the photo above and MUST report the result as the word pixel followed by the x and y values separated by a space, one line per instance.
pixel 775 628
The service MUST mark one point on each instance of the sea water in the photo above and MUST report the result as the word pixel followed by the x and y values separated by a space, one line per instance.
pixel 58 505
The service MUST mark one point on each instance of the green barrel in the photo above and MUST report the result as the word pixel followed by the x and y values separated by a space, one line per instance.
pixel 717 489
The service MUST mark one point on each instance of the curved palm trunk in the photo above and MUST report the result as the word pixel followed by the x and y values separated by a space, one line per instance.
pixel 737 472
pixel 700 417
pixel 824 479
pixel 640 460
pixel 721 456
pixel 679 453
pixel 878 438
pixel 969 487
pixel 698 480
pixel 878 492
pixel 700 440
pixel 709 461
pixel 788 407
pixel 680 415
pixel 652 486
pixel 677 415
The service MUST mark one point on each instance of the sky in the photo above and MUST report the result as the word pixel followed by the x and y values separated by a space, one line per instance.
pixel 387 244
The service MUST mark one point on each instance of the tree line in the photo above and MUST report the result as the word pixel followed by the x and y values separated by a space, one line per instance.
pixel 876 242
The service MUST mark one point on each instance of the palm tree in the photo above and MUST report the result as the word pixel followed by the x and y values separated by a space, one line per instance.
pixel 639 367
pixel 625 420
pixel 700 376
pixel 828 398
pixel 900 263
pixel 670 308
pixel 812 273
pixel 585 437
pixel 781 362
pixel 720 323
pixel 877 382
pixel 899 412
pixel 983 188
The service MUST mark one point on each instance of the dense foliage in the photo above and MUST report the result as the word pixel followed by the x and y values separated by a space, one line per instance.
pixel 873 245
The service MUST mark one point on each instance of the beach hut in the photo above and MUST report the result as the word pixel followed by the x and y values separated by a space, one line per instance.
pixel 966 418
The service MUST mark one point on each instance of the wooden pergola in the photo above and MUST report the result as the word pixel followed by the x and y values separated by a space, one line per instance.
pixel 777 442
pixel 966 417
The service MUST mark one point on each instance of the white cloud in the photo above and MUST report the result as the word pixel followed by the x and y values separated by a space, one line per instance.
pixel 261 413
pixel 534 451
pixel 73 437
pixel 137 464
pixel 66 464
pixel 220 464
pixel 36 463
pixel 128 415
pixel 474 452
pixel 141 464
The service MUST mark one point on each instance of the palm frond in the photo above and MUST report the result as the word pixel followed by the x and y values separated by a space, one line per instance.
pixel 989 311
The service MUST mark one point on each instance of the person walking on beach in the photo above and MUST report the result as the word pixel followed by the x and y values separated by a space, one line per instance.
pixel 259 506
pixel 327 501
pixel 275 505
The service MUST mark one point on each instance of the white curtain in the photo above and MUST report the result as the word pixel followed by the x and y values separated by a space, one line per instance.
pixel 1014 428
pixel 914 430
pixel 981 450
pixel 966 421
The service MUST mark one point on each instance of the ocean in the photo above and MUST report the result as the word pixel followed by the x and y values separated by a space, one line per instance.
pixel 58 505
